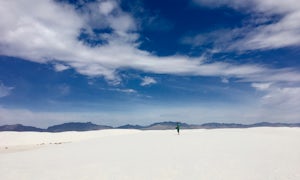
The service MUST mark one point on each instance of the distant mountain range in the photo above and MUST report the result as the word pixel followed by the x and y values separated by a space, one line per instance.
pixel 19 127
pixel 76 126
pixel 88 126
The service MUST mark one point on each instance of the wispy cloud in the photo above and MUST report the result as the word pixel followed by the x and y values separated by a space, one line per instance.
pixel 279 96
pixel 278 101
pixel 225 80
pixel 274 24
pixel 60 67
pixel 284 97
pixel 261 86
pixel 122 90
pixel 146 81
pixel 126 90
pixel 64 89
pixel 4 90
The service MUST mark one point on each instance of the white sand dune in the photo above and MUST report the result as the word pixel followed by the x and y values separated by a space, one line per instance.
pixel 233 154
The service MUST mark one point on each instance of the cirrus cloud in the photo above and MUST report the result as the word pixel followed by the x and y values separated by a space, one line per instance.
pixel 263 31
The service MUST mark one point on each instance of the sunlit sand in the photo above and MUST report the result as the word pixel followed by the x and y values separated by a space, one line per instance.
pixel 235 154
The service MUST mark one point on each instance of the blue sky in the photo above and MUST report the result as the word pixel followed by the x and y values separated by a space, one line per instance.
pixel 142 61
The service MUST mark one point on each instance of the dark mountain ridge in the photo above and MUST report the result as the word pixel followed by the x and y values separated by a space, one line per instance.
pixel 20 127
pixel 76 126
pixel 129 126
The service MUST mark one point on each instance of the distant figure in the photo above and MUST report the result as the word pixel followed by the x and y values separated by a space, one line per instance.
pixel 178 128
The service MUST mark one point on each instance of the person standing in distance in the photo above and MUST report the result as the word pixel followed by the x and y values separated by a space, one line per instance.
pixel 177 128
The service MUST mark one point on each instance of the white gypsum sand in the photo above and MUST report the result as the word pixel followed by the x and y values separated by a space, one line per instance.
pixel 233 154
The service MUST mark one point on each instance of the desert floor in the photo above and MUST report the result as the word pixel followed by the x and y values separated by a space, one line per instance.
pixel 223 154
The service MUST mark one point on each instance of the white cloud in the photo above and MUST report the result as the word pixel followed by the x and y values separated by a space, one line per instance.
pixel 279 98
pixel 123 90
pixel 126 90
pixel 107 7
pixel 261 86
pixel 281 34
pixel 48 31
pixel 259 35
pixel 287 98
pixel 224 80
pixel 146 81
pixel 4 90
pixel 61 67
